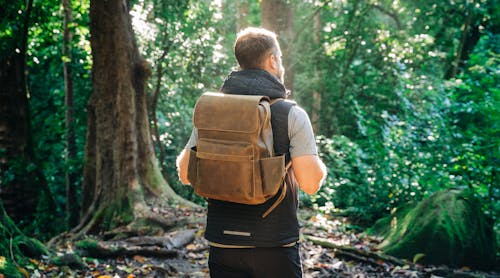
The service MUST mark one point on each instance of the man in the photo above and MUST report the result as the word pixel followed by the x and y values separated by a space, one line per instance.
pixel 257 246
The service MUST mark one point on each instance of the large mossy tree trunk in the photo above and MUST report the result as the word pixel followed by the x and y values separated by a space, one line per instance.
pixel 446 228
pixel 120 171
pixel 19 188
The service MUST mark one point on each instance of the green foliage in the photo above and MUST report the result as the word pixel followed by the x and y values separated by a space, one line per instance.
pixel 11 24
pixel 475 110
pixel 442 137
pixel 346 185
pixel 47 104
pixel 394 130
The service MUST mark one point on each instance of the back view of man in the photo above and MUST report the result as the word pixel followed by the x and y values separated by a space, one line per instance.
pixel 242 242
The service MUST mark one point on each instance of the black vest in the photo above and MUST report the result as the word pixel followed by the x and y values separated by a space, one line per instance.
pixel 243 225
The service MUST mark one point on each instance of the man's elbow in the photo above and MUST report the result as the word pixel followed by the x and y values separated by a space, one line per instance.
pixel 182 167
pixel 184 180
pixel 310 172
pixel 314 184
pixel 316 179
pixel 311 188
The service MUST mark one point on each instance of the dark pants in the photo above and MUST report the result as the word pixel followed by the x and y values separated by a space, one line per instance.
pixel 255 262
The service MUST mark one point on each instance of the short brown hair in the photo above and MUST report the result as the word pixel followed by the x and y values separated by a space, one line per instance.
pixel 252 45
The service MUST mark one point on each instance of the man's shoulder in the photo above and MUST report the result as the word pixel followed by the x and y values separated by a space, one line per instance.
pixel 297 112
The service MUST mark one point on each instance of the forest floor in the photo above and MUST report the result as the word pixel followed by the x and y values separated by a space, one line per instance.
pixel 189 255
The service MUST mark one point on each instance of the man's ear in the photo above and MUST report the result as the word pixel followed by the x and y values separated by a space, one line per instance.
pixel 272 62
pixel 275 62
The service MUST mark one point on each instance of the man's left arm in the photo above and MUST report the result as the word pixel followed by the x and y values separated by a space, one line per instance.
pixel 182 160
pixel 182 166
pixel 308 168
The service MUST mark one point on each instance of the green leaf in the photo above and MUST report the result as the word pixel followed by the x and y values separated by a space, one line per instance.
pixel 418 257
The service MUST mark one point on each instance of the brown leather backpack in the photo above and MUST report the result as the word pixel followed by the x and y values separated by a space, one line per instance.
pixel 234 159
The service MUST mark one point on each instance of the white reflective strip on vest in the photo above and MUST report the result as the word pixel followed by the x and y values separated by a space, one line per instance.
pixel 237 233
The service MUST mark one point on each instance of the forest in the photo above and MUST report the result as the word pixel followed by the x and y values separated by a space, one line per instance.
pixel 97 99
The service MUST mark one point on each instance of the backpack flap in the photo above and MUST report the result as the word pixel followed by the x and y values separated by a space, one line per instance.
pixel 227 113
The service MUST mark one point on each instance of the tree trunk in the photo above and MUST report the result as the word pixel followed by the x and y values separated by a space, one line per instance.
pixel 278 16
pixel 72 210
pixel 316 111
pixel 19 188
pixel 152 110
pixel 242 13
pixel 468 39
pixel 121 171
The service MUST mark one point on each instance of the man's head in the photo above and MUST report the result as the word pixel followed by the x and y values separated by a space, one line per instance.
pixel 258 48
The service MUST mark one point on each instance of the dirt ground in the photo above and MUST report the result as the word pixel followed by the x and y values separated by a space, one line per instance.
pixel 191 258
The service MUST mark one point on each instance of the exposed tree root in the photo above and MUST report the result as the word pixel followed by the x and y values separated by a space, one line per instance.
pixel 116 249
pixel 156 246
pixel 172 240
pixel 356 254
pixel 378 259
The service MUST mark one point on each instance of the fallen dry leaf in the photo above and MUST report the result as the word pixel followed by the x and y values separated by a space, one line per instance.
pixel 191 247
pixel 140 259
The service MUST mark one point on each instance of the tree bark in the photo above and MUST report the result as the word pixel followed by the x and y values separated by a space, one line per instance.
pixel 121 171
pixel 19 193
pixel 316 93
pixel 242 13
pixel 72 210
pixel 279 17
pixel 468 39
pixel 152 110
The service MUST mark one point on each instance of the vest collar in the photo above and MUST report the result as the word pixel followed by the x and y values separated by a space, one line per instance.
pixel 253 82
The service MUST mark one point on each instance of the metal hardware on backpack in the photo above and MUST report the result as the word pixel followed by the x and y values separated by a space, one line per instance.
pixel 234 156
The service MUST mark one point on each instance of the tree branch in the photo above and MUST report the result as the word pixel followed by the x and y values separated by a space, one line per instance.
pixel 392 15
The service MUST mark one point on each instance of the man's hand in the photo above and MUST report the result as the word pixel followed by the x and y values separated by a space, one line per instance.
pixel 182 166
pixel 309 171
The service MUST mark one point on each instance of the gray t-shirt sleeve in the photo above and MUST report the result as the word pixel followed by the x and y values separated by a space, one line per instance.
pixel 192 140
pixel 300 132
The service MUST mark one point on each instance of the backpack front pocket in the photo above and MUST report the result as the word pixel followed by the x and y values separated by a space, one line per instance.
pixel 226 171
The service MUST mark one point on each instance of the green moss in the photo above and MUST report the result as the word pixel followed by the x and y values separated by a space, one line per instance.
pixel 112 215
pixel 448 228
pixel 31 247
pixel 155 179
pixel 71 259
pixel 383 226
pixel 87 244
